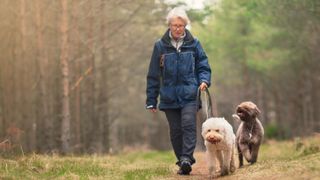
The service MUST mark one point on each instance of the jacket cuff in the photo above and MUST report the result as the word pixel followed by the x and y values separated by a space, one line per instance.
pixel 150 107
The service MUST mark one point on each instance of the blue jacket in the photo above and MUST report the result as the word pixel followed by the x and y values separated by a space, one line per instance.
pixel 180 74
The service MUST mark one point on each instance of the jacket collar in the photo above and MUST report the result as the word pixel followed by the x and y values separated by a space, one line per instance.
pixel 188 39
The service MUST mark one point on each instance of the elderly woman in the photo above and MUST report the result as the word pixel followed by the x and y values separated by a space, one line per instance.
pixel 178 67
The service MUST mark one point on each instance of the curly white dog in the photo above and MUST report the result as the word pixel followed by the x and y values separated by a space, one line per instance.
pixel 220 144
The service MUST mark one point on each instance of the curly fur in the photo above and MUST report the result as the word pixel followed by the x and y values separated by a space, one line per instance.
pixel 250 132
pixel 220 145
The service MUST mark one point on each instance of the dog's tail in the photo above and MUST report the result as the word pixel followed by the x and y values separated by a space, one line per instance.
pixel 236 117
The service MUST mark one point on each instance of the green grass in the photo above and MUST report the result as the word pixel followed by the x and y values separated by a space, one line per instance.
pixel 297 159
pixel 135 165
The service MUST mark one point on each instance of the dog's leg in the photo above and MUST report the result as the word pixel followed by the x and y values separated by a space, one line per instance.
pixel 211 162
pixel 245 151
pixel 221 158
pixel 240 156
pixel 232 161
pixel 226 162
pixel 254 153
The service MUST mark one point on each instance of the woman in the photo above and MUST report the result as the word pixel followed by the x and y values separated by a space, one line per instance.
pixel 178 67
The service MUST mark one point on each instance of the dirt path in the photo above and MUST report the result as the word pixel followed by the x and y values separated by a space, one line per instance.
pixel 199 169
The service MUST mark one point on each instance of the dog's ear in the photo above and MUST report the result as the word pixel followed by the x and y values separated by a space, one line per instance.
pixel 257 110
pixel 203 130
pixel 237 109
pixel 203 126
pixel 254 107
pixel 224 133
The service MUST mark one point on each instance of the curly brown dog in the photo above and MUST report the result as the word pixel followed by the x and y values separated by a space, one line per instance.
pixel 250 132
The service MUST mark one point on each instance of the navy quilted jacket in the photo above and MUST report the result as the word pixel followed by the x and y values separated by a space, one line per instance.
pixel 178 77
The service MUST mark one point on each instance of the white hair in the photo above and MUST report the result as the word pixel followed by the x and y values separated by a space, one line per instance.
pixel 180 13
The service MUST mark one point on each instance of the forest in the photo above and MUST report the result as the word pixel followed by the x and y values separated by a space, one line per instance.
pixel 73 72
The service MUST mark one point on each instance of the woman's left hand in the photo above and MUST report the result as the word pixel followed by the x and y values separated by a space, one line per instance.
pixel 203 86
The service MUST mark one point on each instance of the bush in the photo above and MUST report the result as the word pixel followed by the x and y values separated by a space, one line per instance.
pixel 272 131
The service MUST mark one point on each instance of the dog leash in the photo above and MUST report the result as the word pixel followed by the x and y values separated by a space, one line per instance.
pixel 206 105
pixel 208 101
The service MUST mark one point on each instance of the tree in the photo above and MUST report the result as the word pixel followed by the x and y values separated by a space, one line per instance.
pixel 65 128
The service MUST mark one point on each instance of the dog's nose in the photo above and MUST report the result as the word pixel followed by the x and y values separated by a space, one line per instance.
pixel 213 140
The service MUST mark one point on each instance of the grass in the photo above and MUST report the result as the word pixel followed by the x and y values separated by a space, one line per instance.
pixel 296 159
pixel 135 165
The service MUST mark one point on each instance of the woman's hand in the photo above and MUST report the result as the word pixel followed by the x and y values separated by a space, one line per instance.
pixel 153 110
pixel 203 86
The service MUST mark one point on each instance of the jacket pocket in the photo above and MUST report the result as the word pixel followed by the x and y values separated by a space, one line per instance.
pixel 169 69
pixel 188 93
pixel 186 63
pixel 167 95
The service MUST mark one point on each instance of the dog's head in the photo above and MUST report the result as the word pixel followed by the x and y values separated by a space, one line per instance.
pixel 247 111
pixel 212 132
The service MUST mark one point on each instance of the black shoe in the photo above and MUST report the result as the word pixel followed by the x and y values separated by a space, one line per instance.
pixel 185 168
pixel 180 172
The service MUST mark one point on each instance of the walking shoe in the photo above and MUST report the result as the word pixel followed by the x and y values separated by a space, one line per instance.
pixel 185 167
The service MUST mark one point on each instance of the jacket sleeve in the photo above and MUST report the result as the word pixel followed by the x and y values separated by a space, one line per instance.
pixel 202 65
pixel 153 78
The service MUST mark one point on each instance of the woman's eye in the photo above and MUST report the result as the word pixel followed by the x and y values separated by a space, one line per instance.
pixel 209 130
pixel 217 130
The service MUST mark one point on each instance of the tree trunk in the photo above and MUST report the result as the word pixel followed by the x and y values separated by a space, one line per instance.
pixel 104 91
pixel 42 62
pixel 21 106
pixel 2 120
pixel 65 129
pixel 78 78
pixel 97 61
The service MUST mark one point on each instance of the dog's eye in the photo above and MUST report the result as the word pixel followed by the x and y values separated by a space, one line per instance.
pixel 217 130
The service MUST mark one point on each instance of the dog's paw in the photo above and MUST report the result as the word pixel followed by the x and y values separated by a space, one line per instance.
pixel 224 172
pixel 213 172
pixel 232 169
pixel 236 117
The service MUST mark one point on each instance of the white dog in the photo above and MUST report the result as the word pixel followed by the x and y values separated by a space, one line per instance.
pixel 220 144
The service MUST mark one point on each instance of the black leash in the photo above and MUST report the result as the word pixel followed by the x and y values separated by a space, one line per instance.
pixel 208 103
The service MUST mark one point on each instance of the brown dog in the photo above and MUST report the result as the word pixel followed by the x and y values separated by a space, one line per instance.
pixel 250 132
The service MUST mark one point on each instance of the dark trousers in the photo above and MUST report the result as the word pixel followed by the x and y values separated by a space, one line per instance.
pixel 182 123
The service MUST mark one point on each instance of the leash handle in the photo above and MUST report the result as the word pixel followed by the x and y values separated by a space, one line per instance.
pixel 208 102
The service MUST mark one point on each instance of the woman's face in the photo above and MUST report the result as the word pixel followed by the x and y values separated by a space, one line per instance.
pixel 177 27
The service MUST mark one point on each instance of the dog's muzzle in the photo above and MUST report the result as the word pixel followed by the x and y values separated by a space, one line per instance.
pixel 213 140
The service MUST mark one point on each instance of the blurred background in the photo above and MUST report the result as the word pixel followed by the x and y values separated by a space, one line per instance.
pixel 73 72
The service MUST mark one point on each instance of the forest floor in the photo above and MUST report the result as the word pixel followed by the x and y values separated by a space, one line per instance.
pixel 295 159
